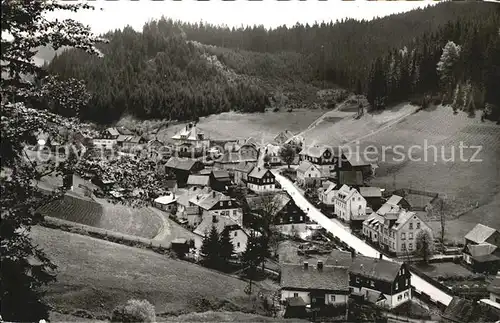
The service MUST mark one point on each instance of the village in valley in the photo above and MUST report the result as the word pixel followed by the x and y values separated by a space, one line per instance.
pixel 300 224
pixel 248 167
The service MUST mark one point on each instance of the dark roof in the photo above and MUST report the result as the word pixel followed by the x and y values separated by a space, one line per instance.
pixel 181 163
pixel 494 287
pixel 350 177
pixel 339 258
pixel 375 268
pixel 329 278
pixel 220 174
pixel 464 310
pixel 259 172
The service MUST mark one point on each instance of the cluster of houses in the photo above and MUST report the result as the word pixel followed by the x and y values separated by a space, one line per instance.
pixel 334 279
pixel 204 195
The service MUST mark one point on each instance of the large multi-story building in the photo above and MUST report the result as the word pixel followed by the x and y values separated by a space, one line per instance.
pixel 396 231
pixel 190 137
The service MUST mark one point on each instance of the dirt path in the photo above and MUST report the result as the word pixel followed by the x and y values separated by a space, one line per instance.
pixel 165 229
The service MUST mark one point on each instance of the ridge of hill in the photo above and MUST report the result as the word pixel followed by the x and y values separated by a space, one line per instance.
pixel 179 71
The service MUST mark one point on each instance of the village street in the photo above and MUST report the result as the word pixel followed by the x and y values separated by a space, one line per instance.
pixel 360 246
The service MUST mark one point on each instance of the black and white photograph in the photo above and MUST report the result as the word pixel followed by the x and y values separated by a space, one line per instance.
pixel 250 161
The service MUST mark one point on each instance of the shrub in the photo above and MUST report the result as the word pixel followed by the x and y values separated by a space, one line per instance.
pixel 276 109
pixel 134 311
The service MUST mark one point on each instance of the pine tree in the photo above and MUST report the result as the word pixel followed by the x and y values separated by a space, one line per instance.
pixel 226 247
pixel 447 65
pixel 210 249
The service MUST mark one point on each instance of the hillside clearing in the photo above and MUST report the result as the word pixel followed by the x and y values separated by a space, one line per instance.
pixel 262 126
pixel 96 275
pixel 347 129
pixel 141 222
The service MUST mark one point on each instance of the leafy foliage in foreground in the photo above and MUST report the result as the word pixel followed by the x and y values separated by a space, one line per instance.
pixel 27 108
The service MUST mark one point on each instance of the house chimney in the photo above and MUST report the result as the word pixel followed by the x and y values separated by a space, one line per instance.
pixel 213 194
pixel 380 256
pixel 320 265
pixel 353 253
pixel 306 265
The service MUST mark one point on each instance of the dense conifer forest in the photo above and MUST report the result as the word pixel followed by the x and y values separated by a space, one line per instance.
pixel 184 71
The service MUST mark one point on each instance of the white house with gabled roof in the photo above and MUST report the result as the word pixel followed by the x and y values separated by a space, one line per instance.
pixel 349 204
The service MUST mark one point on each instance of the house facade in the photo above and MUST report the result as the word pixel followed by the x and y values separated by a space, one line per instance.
pixel 283 137
pixel 317 286
pixel 327 194
pixel 107 139
pixel 190 137
pixel 182 168
pixel 215 205
pixel 350 205
pixel 167 202
pixel 220 180
pixel 494 290
pixel 308 174
pixel 382 282
pixel 261 180
pixel 327 159
pixel 482 249
pixel 241 171
pixel 399 236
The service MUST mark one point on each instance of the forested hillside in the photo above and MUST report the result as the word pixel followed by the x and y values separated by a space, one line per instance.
pixel 169 70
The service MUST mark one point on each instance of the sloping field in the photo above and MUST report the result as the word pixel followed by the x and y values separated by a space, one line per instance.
pixel 96 275
pixel 141 222
pixel 348 128
pixel 262 126
pixel 465 182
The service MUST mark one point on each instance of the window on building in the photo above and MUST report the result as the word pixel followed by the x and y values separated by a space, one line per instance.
pixel 332 298
pixel 410 246
pixel 357 280
pixel 411 225
pixel 407 281
pixel 372 283
pixel 229 203
pixel 403 246
pixel 221 203
pixel 235 233
pixel 403 236
pixel 406 294
pixel 400 297
pixel 291 219
pixel 301 218
pixel 234 212
pixel 397 286
pixel 295 294
pixel 418 225
pixel 410 235
pixel 238 244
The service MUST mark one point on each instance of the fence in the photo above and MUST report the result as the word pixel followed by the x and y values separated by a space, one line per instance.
pixel 100 233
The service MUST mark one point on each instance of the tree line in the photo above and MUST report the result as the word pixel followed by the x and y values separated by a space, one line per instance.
pixel 180 70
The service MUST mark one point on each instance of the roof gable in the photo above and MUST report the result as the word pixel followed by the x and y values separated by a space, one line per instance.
pixel 375 268
pixel 329 278
pixel 480 233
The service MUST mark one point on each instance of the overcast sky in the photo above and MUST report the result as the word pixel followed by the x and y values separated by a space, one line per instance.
pixel 270 13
